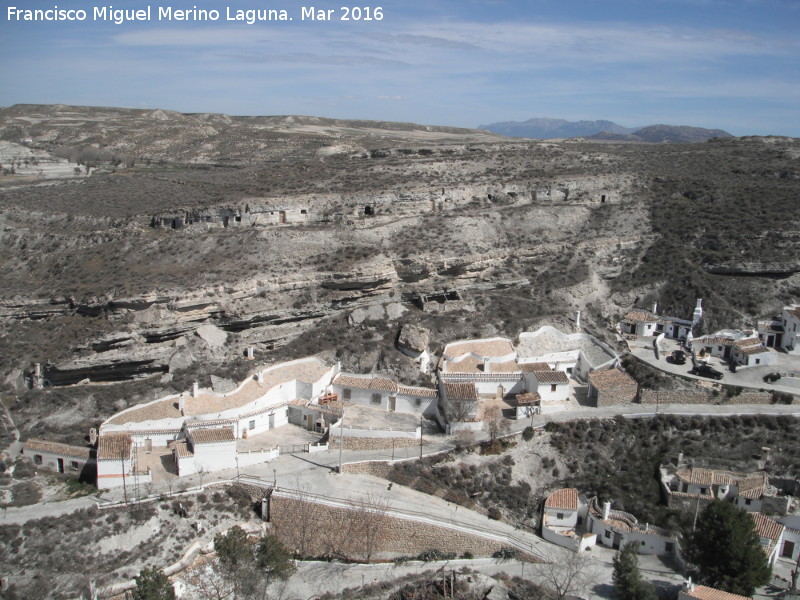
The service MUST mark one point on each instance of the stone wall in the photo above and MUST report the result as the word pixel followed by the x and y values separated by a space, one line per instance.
pixel 377 468
pixel 704 397
pixel 354 443
pixel 318 530
pixel 616 396
pixel 687 502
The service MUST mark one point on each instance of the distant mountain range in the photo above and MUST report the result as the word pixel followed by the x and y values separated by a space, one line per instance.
pixel 544 128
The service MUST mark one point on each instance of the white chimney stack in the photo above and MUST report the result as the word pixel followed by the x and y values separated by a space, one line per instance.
pixel 195 390
pixel 260 377
pixel 698 311
pixel 606 510
pixel 250 351
pixel 655 308
pixel 578 319
pixel 181 403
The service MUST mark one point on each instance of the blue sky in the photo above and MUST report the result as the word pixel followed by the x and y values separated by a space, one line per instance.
pixel 729 64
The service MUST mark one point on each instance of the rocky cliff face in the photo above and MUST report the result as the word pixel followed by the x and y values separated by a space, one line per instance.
pixel 111 277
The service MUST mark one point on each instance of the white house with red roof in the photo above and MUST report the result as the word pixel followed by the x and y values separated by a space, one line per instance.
pixel 770 532
pixel 693 591
pixel 563 516
pixel 384 393
pixel 741 347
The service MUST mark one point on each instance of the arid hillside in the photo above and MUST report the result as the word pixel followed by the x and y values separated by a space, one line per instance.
pixel 124 231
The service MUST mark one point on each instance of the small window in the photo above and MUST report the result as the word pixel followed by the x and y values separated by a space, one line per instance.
pixel 758 361
pixel 303 211
pixel 608 533
pixel 238 219
pixel 569 370
pixel 74 465
pixel 747 501
pixel 37 459
pixel 552 387
pixel 418 402
pixel 376 398
pixel 559 515
pixel 703 490
pixel 669 547
pixel 346 394
pixel 642 542
pixel 251 424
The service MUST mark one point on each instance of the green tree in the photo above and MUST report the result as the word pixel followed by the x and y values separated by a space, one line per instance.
pixel 273 559
pixel 152 584
pixel 727 551
pixel 246 567
pixel 628 582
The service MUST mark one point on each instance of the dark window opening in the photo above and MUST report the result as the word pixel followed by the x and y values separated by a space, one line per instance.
pixel 303 211
pixel 369 211
pixel 602 199
pixel 238 219
pixel 37 459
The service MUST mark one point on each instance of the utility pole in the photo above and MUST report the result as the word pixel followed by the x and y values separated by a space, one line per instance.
pixel 341 440
pixel 122 460
pixel 420 436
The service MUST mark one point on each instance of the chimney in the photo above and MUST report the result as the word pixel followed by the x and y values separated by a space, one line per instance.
pixel 260 377
pixel 688 586
pixel 92 436
pixel 195 390
pixel 181 403
pixel 698 311
pixel 606 510
pixel 578 319
pixel 250 351
pixel 655 308
pixel 680 458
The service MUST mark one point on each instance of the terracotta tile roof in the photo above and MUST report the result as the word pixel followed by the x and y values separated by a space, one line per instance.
pixel 212 436
pixel 43 446
pixel 308 371
pixel 566 498
pixel 484 347
pixel 461 391
pixel 644 316
pixel 793 311
pixel 753 487
pixel 535 366
pixel 754 349
pixel 529 398
pixel 705 476
pixel 718 340
pixel 114 446
pixel 383 383
pixel 771 326
pixel 464 364
pixel 365 383
pixel 417 391
pixel 618 524
pixel 509 366
pixel 199 424
pixel 767 527
pixel 702 592
pixel 745 481
pixel 551 377
pixel 610 379
pixel 182 450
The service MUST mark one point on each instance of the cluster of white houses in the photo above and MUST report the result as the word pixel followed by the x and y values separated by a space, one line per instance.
pixel 571 520
pixel 202 428
pixel 742 348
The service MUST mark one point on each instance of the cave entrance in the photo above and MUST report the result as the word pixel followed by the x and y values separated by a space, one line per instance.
pixel 603 199
pixel 282 217
pixel 174 224
pixel 369 210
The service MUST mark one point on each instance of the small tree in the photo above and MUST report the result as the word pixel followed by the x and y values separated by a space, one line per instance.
pixel 566 575
pixel 152 584
pixel 494 423
pixel 726 550
pixel 628 582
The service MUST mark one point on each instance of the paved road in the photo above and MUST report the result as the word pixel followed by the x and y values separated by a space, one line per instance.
pixel 747 377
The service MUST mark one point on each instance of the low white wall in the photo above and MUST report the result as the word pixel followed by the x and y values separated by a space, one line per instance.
pixel 375 433
pixel 256 457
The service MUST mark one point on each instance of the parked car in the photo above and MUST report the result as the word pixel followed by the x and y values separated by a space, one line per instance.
pixel 678 357
pixel 706 371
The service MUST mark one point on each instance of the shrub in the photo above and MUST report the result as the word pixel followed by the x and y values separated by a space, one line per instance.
pixel 506 553
pixel 527 433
